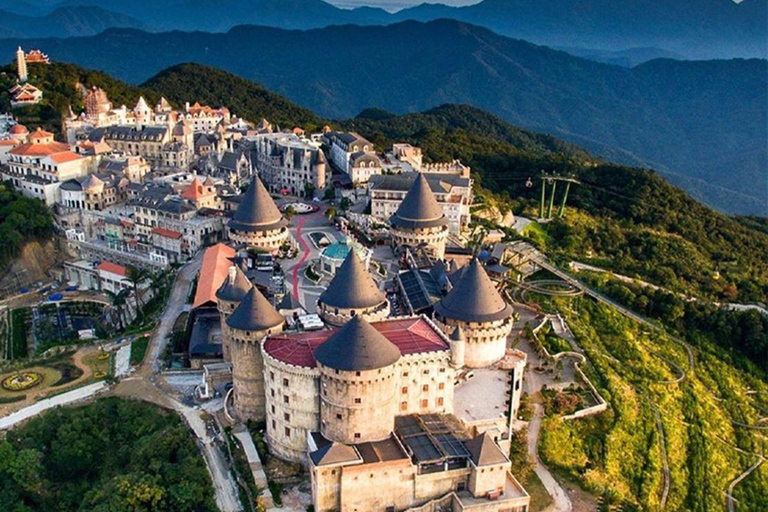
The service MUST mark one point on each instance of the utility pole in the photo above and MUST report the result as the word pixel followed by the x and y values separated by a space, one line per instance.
pixel 552 199
pixel 565 197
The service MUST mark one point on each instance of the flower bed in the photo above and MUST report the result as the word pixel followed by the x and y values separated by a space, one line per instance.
pixel 22 381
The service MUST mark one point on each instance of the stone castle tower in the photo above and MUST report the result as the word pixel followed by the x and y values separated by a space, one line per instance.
pixel 257 222
pixel 352 292
pixel 420 220
pixel 250 322
pixel 357 375
pixel 229 295
pixel 475 311
pixel 21 65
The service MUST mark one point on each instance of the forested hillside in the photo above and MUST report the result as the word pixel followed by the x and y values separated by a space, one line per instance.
pixel 244 98
pixel 627 219
pixel 702 124
pixel 109 456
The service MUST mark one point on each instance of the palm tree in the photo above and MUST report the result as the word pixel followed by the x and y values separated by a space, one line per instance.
pixel 118 301
pixel 136 276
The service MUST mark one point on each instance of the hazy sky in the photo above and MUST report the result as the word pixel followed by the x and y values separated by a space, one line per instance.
pixel 394 5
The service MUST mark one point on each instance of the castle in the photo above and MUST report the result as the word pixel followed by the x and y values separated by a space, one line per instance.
pixel 370 402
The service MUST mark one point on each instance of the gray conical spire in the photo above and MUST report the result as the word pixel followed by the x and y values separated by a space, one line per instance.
pixel 419 208
pixel 474 298
pixel 458 334
pixel 357 346
pixel 352 287
pixel 257 211
pixel 255 313
pixel 235 286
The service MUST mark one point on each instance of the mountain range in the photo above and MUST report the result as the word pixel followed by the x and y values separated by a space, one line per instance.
pixel 691 28
pixel 703 124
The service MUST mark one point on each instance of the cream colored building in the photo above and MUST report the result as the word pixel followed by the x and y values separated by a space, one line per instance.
pixel 452 192
pixel 419 221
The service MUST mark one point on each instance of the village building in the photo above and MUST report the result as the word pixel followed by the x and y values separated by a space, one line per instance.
pixel 289 164
pixel 419 221
pixel 353 155
pixel 452 192
pixel 38 167
pixel 25 94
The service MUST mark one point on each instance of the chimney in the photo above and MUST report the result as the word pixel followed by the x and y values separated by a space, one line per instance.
pixel 232 274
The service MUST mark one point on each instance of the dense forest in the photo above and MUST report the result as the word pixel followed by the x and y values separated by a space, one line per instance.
pixel 21 219
pixel 63 85
pixel 627 219
pixel 193 82
pixel 110 456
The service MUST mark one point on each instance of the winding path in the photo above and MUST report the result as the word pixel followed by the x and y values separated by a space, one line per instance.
pixel 561 501
pixel 729 493
pixel 295 274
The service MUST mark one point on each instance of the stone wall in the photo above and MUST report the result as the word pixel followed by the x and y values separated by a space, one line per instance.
pixel 293 407
pixel 340 316
pixel 485 344
pixel 357 406
pixel 434 237
pixel 264 240
pixel 425 384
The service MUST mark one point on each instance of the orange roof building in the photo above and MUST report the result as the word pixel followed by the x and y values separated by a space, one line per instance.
pixel 113 268
pixel 216 263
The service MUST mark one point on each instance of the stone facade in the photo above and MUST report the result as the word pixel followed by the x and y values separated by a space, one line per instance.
pixel 248 373
pixel 434 238
pixel 485 343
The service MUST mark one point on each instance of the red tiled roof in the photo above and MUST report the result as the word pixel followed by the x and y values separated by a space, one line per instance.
pixel 212 273
pixel 18 129
pixel 410 335
pixel 48 148
pixel 65 156
pixel 168 233
pixel 108 266
pixel 9 142
pixel 194 191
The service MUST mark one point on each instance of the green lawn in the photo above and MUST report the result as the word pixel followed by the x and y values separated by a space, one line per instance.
pixel 139 349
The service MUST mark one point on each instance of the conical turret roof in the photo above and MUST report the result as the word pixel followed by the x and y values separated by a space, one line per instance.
pixel 352 287
pixel 357 347
pixel 254 313
pixel 235 286
pixel 474 298
pixel 458 334
pixel 419 208
pixel 257 211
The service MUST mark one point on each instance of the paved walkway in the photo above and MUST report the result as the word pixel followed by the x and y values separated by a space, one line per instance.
pixel 305 247
pixel 49 403
pixel 560 500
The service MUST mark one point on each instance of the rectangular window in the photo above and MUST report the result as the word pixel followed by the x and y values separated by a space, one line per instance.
pixel 338 416
pixel 285 382
pixel 286 399
pixel 287 432
pixel 440 401
pixel 424 404
pixel 286 416
pixel 357 435
pixel 425 388
pixel 441 385
pixel 403 406
pixel 404 390
pixel 358 400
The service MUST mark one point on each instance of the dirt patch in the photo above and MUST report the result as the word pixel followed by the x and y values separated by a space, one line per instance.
pixel 32 265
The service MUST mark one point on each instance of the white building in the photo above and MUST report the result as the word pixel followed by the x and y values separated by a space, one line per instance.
pixel 452 192
pixel 288 163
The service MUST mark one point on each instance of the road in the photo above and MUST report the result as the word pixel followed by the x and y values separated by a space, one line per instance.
pixel 177 303
pixel 729 494
pixel 49 403
pixel 560 500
